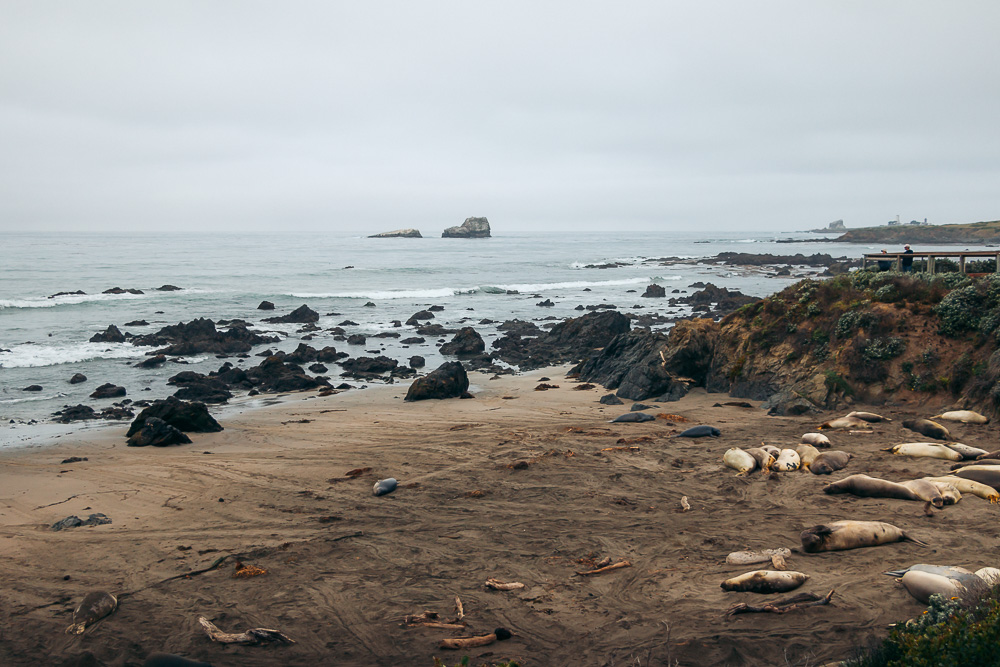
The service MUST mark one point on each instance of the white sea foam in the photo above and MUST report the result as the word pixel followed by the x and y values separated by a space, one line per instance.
pixel 385 294
pixel 580 284
pixel 30 398
pixel 32 355
pixel 68 299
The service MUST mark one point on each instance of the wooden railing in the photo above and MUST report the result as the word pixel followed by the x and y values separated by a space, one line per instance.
pixel 894 260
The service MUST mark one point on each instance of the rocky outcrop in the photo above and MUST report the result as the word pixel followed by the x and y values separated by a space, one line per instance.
pixel 465 343
pixel 275 376
pixel 472 228
pixel 109 335
pixel 569 341
pixel 398 234
pixel 201 337
pixel 301 315
pixel 654 291
pixel 368 366
pixel 198 387
pixel 78 378
pixel 449 380
pixel 419 315
pixel 265 305
pixel 304 354
pixel 85 412
pixel 182 415
pixel 631 363
pixel 108 390
pixel 119 290
pixel 157 433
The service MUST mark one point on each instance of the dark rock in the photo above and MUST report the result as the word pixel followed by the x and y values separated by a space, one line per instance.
pixel 153 361
pixel 436 309
pixel 110 335
pixel 168 288
pixel 78 378
pixel 545 304
pixel 786 403
pixel 472 228
pixel 636 407
pixel 630 363
pixel 434 330
pixel 157 433
pixel 356 339
pixel 75 413
pixel 108 390
pixel 33 387
pixel 348 323
pixel 449 380
pixel 275 376
pixel 611 399
pixel 301 315
pixel 386 334
pixel 726 301
pixel 396 324
pixel 96 519
pixel 397 234
pixel 119 290
pixel 76 293
pixel 655 291
pixel 419 315
pixel 198 387
pixel 265 305
pixel 182 415
pixel 74 459
pixel 137 323
pixel 201 337
pixel 369 365
pixel 318 368
pixel 416 361
pixel 370 304
pixel 466 342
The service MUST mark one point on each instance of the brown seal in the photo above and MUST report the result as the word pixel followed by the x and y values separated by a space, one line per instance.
pixel 828 462
pixel 94 607
pixel 841 535
pixel 870 487
pixel 928 428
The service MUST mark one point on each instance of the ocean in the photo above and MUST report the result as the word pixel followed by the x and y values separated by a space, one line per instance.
pixel 44 338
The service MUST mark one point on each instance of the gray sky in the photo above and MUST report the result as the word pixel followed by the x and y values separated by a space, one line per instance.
pixel 361 117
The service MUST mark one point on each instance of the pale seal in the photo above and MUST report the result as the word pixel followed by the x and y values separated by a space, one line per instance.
pixel 984 491
pixel 763 458
pixel 765 581
pixel 807 454
pixel 964 416
pixel 699 432
pixel 922 585
pixel 929 428
pixel 869 417
pixel 926 491
pixel 842 535
pixel 94 607
pixel 932 450
pixel 384 486
pixel 870 487
pixel 816 440
pixel 739 460
pixel 787 461
pixel 844 422
pixel 988 475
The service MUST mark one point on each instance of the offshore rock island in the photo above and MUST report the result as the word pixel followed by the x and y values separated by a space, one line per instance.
pixel 472 228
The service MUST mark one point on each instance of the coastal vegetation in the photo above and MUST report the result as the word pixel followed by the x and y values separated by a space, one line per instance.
pixel 966 233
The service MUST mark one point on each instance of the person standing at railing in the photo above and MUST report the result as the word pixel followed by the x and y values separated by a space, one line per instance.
pixel 907 261
pixel 884 264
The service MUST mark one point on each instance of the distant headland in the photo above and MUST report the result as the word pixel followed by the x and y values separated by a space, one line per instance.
pixel 971 232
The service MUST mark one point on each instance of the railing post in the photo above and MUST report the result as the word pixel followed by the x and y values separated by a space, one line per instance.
pixel 899 262
pixel 961 264
pixel 930 264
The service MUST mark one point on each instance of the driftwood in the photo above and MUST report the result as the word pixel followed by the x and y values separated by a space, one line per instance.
pixel 498 585
pixel 500 634
pixel 607 568
pixel 459 609
pixel 251 636
pixel 799 601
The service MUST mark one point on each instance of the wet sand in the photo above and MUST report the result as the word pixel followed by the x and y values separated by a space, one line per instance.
pixel 515 484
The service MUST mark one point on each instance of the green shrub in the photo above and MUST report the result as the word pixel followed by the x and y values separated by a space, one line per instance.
pixel 961 310
pixel 884 348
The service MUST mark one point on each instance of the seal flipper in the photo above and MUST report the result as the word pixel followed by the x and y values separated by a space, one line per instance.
pixel 910 538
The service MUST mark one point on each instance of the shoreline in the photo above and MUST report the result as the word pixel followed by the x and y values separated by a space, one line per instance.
pixel 517 484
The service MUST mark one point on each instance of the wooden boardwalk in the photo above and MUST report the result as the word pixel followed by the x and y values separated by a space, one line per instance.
pixel 894 260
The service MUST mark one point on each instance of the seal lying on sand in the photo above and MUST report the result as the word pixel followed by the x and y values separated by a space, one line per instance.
pixel 964 416
pixel 842 535
pixel 828 462
pixel 984 491
pixel 699 432
pixel 869 417
pixel 968 453
pixel 844 422
pixel 739 460
pixel 764 459
pixel 928 428
pixel 94 607
pixel 816 440
pixel 870 487
pixel 765 581
pixel 384 486
pixel 787 461
pixel 988 475
pixel 633 417
pixel 932 450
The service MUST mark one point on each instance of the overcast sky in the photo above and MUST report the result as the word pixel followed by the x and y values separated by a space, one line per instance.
pixel 361 117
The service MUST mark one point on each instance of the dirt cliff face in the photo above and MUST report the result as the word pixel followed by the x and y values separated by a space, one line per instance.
pixel 868 336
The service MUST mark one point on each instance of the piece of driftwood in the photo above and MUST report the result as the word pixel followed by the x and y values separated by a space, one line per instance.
pixel 436 624
pixel 459 609
pixel 606 568
pixel 799 601
pixel 498 585
pixel 251 636
pixel 500 634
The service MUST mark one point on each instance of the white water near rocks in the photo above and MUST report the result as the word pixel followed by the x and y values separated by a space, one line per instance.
pixel 44 339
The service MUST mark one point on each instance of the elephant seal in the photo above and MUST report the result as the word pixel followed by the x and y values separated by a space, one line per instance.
pixel 922 585
pixel 969 486
pixel 828 462
pixel 816 440
pixel 384 486
pixel 94 607
pixel 844 422
pixel 699 432
pixel 870 487
pixel 739 460
pixel 989 455
pixel 990 575
pixel 950 571
pixel 842 535
pixel 928 428
pixel 869 417
pixel 807 454
pixel 763 458
pixel 932 450
pixel 762 556
pixel 765 581
pixel 968 453
pixel 170 660
pixel 949 491
pixel 637 417
pixel 964 416
pixel 988 475
pixel 772 450
pixel 926 491
pixel 787 461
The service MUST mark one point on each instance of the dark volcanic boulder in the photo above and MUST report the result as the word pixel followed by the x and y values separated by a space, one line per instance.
pixel 157 433
pixel 78 378
pixel 265 305
pixel 448 380
pixel 119 290
pixel 305 354
pixel 168 288
pixel 201 337
pixel 33 387
pixel 301 315
pixel 589 331
pixel 318 368
pixel 726 300
pixel 416 361
pixel 356 339
pixel 466 342
pixel 198 387
pixel 75 413
pixel 275 376
pixel 184 416
pixel 152 362
pixel 419 315
pixel 369 365
pixel 472 228
pixel 655 291
pixel 108 390
pixel 109 335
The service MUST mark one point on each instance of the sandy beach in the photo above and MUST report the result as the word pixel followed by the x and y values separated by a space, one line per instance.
pixel 515 484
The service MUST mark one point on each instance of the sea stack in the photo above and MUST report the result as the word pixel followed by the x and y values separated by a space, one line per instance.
pixel 398 234
pixel 472 228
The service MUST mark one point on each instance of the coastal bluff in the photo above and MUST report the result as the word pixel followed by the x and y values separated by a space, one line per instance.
pixel 472 228
pixel 398 234
pixel 966 233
